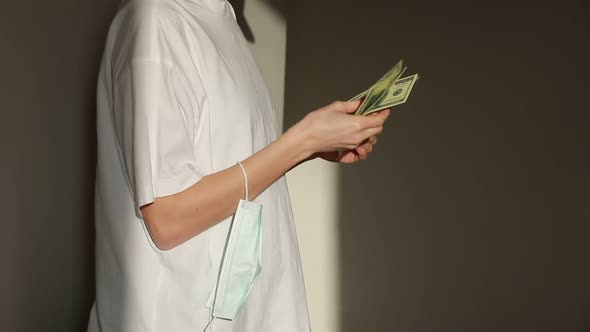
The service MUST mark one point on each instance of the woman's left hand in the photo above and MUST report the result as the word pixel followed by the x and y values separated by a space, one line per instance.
pixel 359 153
pixel 350 156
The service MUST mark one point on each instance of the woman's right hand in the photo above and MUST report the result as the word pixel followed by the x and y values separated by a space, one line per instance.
pixel 333 127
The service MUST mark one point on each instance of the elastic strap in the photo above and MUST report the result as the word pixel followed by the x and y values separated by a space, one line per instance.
pixel 209 325
pixel 245 177
pixel 211 320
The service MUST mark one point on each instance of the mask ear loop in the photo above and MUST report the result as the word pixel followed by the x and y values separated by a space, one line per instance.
pixel 211 317
pixel 211 320
pixel 245 178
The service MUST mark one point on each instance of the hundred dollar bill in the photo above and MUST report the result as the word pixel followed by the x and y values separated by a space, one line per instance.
pixel 397 94
pixel 379 90
pixel 364 93
pixel 359 96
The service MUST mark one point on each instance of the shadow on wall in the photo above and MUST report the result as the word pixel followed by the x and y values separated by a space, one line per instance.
pixel 238 5
pixel 472 213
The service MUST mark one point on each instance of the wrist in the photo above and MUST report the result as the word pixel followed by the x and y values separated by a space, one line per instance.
pixel 298 140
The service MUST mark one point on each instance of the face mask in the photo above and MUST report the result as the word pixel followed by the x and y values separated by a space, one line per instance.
pixel 241 261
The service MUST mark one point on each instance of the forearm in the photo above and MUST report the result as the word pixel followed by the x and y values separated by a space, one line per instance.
pixel 174 219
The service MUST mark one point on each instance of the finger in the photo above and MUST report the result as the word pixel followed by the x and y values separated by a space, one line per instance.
pixel 362 153
pixel 373 140
pixel 380 112
pixel 373 131
pixel 374 121
pixel 345 106
pixel 366 147
pixel 348 157
pixel 383 110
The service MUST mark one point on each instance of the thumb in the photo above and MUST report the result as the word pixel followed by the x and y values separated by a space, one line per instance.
pixel 346 106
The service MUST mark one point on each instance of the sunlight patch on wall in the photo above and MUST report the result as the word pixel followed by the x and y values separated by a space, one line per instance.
pixel 314 194
pixel 270 49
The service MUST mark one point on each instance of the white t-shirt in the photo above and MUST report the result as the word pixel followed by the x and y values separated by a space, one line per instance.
pixel 180 97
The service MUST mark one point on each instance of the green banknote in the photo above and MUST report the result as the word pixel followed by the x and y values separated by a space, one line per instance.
pixel 359 96
pixel 379 90
pixel 385 94
pixel 364 93
pixel 397 94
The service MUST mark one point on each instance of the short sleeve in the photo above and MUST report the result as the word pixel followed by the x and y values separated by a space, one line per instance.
pixel 158 128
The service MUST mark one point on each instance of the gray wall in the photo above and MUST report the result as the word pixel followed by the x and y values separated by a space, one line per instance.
pixel 49 57
pixel 473 212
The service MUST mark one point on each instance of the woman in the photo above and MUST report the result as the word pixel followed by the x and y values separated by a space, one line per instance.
pixel 180 101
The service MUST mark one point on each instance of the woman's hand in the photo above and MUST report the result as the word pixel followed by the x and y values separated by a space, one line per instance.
pixel 333 134
pixel 333 128
pixel 361 152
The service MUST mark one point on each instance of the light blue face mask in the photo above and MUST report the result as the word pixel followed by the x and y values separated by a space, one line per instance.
pixel 241 262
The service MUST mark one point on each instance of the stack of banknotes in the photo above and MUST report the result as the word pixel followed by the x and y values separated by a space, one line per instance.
pixel 389 91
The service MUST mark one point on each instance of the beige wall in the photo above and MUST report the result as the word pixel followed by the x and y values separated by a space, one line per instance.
pixel 314 194
pixel 314 210
pixel 269 28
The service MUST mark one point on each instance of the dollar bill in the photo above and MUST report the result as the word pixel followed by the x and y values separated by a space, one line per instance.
pixel 359 96
pixel 364 93
pixel 397 94
pixel 378 91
